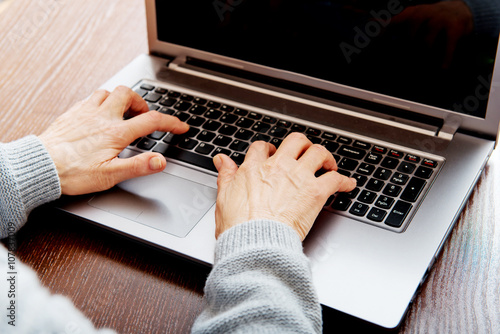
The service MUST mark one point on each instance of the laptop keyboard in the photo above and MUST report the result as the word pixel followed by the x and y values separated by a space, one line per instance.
pixel 390 182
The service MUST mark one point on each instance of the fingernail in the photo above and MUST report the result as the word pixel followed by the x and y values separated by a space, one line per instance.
pixel 217 162
pixel 155 163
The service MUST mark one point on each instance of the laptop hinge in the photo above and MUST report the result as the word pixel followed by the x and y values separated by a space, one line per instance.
pixel 450 127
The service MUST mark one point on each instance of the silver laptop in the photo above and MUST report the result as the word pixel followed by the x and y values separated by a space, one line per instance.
pixel 414 123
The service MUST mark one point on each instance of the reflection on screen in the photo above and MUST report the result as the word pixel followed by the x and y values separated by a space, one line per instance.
pixel 439 53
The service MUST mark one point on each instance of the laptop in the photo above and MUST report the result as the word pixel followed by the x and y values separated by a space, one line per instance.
pixel 413 117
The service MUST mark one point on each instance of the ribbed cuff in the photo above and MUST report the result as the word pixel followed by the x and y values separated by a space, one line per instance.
pixel 256 234
pixel 486 16
pixel 34 172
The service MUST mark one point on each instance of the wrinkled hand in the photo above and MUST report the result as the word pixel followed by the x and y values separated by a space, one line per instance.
pixel 85 141
pixel 277 184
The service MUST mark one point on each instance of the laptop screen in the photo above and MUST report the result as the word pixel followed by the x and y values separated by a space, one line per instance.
pixel 438 53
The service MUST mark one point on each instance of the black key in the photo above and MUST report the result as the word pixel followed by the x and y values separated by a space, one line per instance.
pixel 260 136
pixel 389 162
pixel 181 115
pixel 174 94
pixel 351 152
pixel 412 158
pixel 398 214
pixel 238 146
pixel 278 132
pixel 204 148
pixel 228 118
pixel 240 112
pixel 206 136
pixel 384 202
pixel 284 124
pixel 141 92
pixel 220 150
pixel 379 149
pixel 344 172
pixel 373 158
pixel 167 102
pixel 358 209
pixel 228 129
pixel 382 173
pixel 367 196
pixel 182 105
pixel 341 203
pixel 238 157
pixel 375 185
pixel 192 132
pixel 244 134
pixel 298 128
pixel 157 135
pixel 429 163
pixel 196 120
pixel 198 109
pixel 261 127
pixel 377 215
pixel 344 140
pixel 213 104
pixel 186 97
pixel 269 119
pixel 413 189
pixel 170 138
pixel 160 90
pixel 244 122
pixel 392 190
pixel 348 164
pixel 211 125
pixel 360 179
pixel 254 115
pixel 152 97
pixel 365 169
pixel 222 140
pixel 188 143
pixel 147 86
pixel 423 172
pixel 167 111
pixel 186 156
pixel 199 100
pixel 353 193
pixel 152 106
pixel 314 140
pixel 313 132
pixel 146 144
pixel 406 167
pixel 276 142
pixel 213 114
pixel 399 178
pixel 395 154
pixel 226 108
pixel 361 144
pixel 330 145
pixel 328 136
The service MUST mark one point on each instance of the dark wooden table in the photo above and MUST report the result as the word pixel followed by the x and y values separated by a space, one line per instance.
pixel 54 53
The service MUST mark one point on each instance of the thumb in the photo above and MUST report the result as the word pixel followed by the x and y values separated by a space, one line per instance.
pixel 139 165
pixel 226 168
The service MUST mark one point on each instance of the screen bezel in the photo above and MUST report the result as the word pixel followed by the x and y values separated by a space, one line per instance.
pixel 485 127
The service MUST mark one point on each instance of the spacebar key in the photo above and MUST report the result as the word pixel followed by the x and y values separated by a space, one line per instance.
pixel 189 157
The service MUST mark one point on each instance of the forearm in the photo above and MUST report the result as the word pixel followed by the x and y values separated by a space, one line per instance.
pixel 28 179
pixel 261 282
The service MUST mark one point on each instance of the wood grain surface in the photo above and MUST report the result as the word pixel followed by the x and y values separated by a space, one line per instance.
pixel 56 52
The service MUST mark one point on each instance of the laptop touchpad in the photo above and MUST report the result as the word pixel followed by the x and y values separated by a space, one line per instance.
pixel 163 201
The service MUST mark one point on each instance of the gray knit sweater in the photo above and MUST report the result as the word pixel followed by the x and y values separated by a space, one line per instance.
pixel 260 282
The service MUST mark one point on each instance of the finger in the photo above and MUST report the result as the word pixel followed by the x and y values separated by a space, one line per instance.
pixel 152 121
pixel 317 157
pixel 143 164
pixel 293 145
pixel 98 97
pixel 123 99
pixel 227 168
pixel 259 151
pixel 335 182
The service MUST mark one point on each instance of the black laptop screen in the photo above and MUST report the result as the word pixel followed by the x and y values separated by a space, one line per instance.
pixel 438 53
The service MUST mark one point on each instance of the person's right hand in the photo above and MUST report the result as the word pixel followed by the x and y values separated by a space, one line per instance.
pixel 280 185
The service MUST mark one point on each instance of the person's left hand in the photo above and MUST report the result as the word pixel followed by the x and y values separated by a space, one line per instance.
pixel 85 141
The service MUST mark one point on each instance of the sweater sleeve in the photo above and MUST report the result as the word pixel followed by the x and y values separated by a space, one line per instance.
pixel 486 15
pixel 28 178
pixel 260 283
